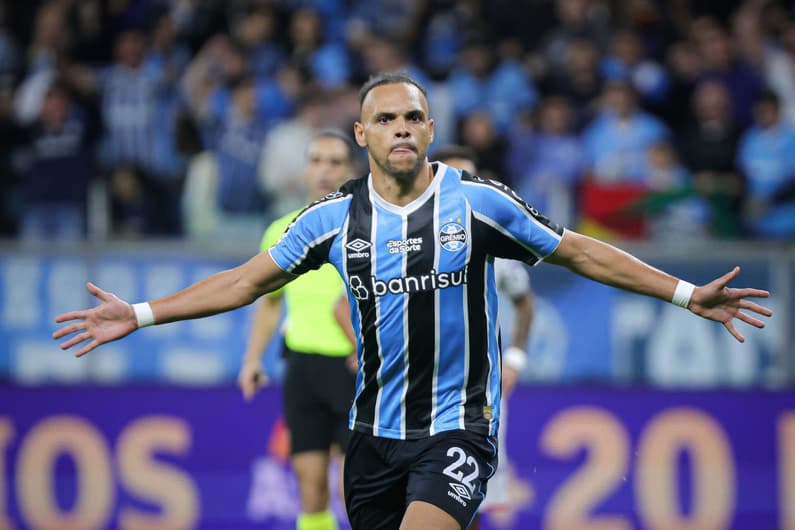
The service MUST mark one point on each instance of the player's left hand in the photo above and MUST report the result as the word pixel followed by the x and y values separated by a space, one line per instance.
pixel 109 321
pixel 716 301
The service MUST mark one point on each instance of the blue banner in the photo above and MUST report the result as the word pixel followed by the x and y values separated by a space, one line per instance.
pixel 161 457
pixel 583 331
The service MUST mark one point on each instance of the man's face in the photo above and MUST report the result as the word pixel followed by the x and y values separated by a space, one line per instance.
pixel 395 129
pixel 328 166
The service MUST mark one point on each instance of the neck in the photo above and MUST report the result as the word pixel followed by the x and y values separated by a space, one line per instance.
pixel 401 191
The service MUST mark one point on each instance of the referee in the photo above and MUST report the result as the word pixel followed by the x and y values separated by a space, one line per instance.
pixel 319 385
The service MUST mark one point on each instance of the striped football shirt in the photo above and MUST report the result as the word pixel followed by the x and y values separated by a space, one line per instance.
pixel 420 279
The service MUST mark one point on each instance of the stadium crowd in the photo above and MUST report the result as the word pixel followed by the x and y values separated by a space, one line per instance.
pixel 653 119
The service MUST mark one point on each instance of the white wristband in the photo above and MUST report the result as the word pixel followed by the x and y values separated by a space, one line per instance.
pixel 515 358
pixel 144 314
pixel 684 290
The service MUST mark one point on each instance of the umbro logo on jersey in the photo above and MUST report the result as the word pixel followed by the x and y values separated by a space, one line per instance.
pixel 459 492
pixel 359 248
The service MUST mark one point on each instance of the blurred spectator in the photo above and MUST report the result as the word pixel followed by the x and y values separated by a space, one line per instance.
pixel 616 141
pixel 237 149
pixel 747 36
pixel 480 82
pixel 684 65
pixel 780 70
pixel 51 38
pixel 721 63
pixel 333 15
pixel 627 60
pixel 55 186
pixel 709 146
pixel 200 209
pixel 324 61
pixel 257 32
pixel 477 60
pixel 477 131
pixel 549 166
pixel 443 37
pixel 280 169
pixel 205 83
pixel 396 18
pixel 91 32
pixel 654 23
pixel 380 53
pixel 48 48
pixel 579 80
pixel 10 138
pixel 383 54
pixel 166 54
pixel 195 22
pixel 674 210
pixel 131 214
pixel 526 21
pixel 577 20
pixel 139 104
pixel 9 53
pixel 767 158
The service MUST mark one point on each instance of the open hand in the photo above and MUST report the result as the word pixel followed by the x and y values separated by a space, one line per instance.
pixel 716 301
pixel 109 321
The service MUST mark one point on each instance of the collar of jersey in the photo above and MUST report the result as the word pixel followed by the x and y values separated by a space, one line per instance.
pixel 441 169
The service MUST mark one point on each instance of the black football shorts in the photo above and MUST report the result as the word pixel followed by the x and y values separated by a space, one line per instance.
pixel 383 476
pixel 318 393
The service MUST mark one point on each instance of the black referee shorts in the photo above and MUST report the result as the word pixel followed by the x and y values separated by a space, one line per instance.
pixel 318 392
pixel 449 470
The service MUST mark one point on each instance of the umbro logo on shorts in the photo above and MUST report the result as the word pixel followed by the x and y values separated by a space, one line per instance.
pixel 460 493
pixel 461 490
pixel 358 248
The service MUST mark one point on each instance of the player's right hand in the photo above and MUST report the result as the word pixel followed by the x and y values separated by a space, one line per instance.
pixel 109 321
pixel 251 378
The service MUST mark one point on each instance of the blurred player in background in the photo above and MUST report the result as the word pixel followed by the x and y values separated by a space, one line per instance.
pixel 414 242
pixel 513 283
pixel 319 384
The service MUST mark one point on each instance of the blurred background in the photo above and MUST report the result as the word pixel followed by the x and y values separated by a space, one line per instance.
pixel 146 144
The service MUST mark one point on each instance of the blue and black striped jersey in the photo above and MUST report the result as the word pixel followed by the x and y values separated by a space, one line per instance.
pixel 423 298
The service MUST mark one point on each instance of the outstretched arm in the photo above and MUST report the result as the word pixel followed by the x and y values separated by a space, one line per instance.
pixel 606 264
pixel 224 291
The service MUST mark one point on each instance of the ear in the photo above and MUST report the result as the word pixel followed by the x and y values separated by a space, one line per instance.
pixel 358 131
pixel 430 131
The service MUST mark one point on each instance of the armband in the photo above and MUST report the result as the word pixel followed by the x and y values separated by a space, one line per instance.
pixel 144 314
pixel 684 290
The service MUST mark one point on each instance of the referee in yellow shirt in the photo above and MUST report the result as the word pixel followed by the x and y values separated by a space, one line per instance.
pixel 320 383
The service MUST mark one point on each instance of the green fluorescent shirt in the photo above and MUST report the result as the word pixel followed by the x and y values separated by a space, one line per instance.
pixel 310 326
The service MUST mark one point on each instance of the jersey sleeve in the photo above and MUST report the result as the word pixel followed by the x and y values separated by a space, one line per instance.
pixel 305 244
pixel 271 236
pixel 514 229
